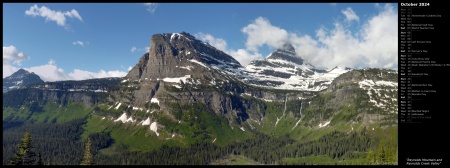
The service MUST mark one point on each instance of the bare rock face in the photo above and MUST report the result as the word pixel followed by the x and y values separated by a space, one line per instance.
pixel 177 55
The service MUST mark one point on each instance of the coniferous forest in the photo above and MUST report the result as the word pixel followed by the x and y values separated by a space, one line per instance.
pixel 60 144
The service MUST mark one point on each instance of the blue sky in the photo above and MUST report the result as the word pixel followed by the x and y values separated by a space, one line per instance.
pixel 70 41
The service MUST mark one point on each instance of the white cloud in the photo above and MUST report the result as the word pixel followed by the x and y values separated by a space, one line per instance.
pixel 73 13
pixel 245 57
pixel 78 74
pixel 333 4
pixel 261 32
pixel 380 39
pixel 129 68
pixel 80 43
pixel 10 53
pixel 57 16
pixel 350 15
pixel 151 7
pixel 51 72
pixel 218 43
pixel 373 45
pixel 133 49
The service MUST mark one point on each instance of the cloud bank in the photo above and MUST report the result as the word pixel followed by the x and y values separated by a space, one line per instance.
pixel 374 44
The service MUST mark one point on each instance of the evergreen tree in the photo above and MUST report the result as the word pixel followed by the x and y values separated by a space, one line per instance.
pixel 25 155
pixel 88 158
pixel 40 162
pixel 370 157
pixel 381 153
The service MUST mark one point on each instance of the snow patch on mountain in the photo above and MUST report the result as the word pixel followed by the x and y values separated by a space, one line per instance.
pixel 186 67
pixel 130 119
pixel 324 125
pixel 154 100
pixel 199 63
pixel 174 35
pixel 154 128
pixel 177 80
pixel 117 107
pixel 374 89
pixel 147 121
pixel 122 118
pixel 242 128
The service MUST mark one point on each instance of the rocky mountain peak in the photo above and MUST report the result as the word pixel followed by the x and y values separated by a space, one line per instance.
pixel 286 53
pixel 287 47
pixel 20 72
pixel 284 69
pixel 173 55
pixel 20 78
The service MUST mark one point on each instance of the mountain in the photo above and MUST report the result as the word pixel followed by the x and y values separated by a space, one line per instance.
pixel 179 71
pixel 20 79
pixel 173 55
pixel 283 69
pixel 185 102
pixel 359 97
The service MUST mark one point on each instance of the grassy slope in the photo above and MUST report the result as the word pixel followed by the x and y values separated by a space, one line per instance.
pixel 195 126
pixel 51 112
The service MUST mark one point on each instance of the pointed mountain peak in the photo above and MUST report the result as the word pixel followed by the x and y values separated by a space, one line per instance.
pixel 287 47
pixel 285 50
pixel 20 72
pixel 285 53
pixel 20 79
pixel 169 53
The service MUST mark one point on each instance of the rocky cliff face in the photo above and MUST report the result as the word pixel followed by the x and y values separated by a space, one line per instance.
pixel 176 55
pixel 88 92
